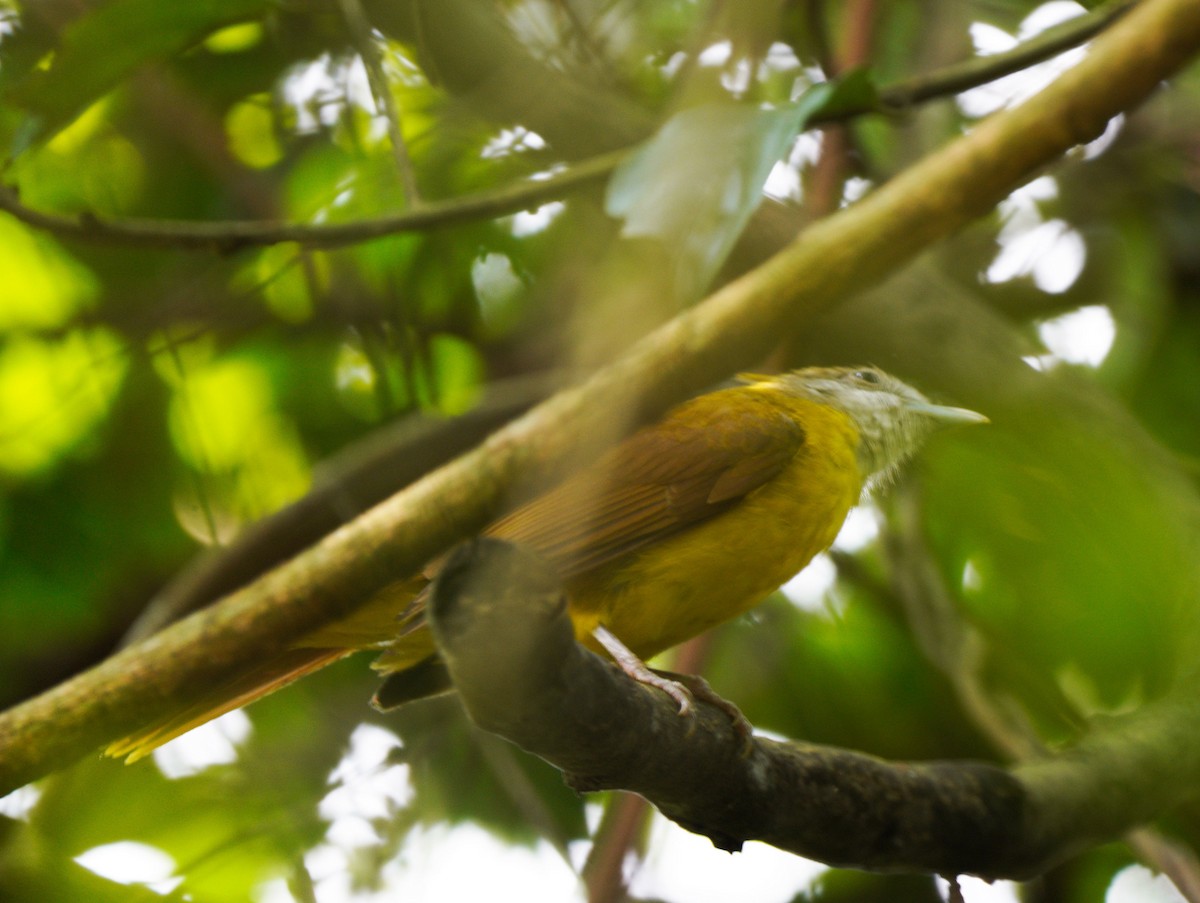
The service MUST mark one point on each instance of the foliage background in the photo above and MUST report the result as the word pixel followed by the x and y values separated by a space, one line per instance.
pixel 154 402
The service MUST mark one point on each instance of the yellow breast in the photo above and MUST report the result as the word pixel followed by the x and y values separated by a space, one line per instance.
pixel 685 584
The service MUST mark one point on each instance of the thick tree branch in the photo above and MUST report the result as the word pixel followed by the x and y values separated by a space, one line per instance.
pixel 230 236
pixel 842 254
pixel 499 618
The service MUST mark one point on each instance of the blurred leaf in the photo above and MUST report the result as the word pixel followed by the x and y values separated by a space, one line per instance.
pixel 315 179
pixel 694 185
pixel 1080 560
pixel 44 285
pixel 848 677
pixel 456 374
pixel 838 885
pixel 234 38
pixel 225 422
pixel 500 292
pixel 88 166
pixel 1168 394
pixel 53 395
pixel 357 378
pixel 285 275
pixel 214 412
pixel 105 46
pixel 251 127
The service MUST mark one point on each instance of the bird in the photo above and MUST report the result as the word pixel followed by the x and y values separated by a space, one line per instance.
pixel 687 523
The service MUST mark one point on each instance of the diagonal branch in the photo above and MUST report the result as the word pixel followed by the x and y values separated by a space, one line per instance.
pixel 836 257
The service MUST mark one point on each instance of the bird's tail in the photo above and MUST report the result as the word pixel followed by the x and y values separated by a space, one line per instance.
pixel 375 625
pixel 246 688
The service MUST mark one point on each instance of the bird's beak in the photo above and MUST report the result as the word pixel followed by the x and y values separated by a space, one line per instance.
pixel 946 415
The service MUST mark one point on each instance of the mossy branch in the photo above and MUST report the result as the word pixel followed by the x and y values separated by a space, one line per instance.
pixel 501 624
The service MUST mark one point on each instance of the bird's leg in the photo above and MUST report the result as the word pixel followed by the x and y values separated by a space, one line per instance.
pixel 636 668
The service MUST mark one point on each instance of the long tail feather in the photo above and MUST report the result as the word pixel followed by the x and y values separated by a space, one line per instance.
pixel 267 678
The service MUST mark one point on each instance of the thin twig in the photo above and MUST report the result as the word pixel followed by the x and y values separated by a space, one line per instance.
pixel 592 54
pixel 234 235
pixel 501 758
pixel 604 872
pixel 983 69
pixel 229 236
pixel 300 882
pixel 948 640
pixel 368 49
pixel 826 183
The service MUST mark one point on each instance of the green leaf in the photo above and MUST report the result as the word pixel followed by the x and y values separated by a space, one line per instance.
pixel 1054 527
pixel 99 50
pixel 695 184
pixel 861 887
pixel 54 395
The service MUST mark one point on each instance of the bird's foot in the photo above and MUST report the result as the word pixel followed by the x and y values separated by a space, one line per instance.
pixel 633 666
pixel 699 689
pixel 683 688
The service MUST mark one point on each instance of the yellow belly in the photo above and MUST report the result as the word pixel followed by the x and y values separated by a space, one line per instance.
pixel 686 584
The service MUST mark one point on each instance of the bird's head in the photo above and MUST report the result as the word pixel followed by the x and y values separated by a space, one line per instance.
pixel 892 418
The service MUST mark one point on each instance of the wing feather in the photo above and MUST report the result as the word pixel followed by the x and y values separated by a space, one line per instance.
pixel 702 459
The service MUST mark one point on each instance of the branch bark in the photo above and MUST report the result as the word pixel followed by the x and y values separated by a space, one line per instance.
pixel 500 621
pixel 830 261
pixel 229 236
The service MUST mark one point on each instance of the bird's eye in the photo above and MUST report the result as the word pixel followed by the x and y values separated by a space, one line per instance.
pixel 867 376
